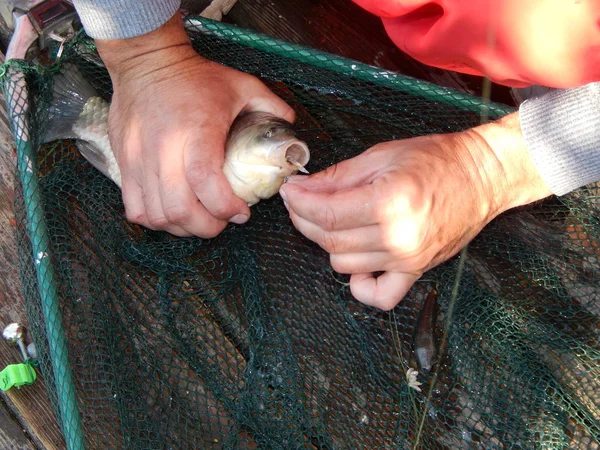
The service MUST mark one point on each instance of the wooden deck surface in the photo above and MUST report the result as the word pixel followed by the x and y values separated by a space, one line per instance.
pixel 336 26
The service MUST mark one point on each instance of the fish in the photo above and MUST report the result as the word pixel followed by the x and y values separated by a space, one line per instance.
pixel 261 150
pixel 261 153
pixel 424 339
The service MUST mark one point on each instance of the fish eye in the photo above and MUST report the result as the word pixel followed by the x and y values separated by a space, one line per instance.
pixel 268 133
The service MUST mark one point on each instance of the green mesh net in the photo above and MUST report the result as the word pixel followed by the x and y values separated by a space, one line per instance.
pixel 250 340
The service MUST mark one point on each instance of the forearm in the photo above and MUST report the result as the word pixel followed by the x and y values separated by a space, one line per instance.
pixel 123 19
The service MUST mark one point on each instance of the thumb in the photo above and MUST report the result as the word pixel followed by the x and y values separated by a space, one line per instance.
pixel 266 101
pixel 203 162
pixel 347 174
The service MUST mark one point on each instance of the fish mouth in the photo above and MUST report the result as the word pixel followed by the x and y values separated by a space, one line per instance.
pixel 297 154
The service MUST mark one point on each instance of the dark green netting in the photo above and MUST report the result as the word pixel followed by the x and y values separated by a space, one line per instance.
pixel 249 340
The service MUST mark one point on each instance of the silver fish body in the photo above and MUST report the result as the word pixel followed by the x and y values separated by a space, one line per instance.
pixel 91 130
pixel 261 150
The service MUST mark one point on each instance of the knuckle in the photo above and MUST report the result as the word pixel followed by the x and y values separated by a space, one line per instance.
pixel 328 219
pixel 179 232
pixel 197 172
pixel 135 216
pixel 329 242
pixel 412 197
pixel 158 223
pixel 176 214
pixel 404 224
pixel 409 200
pixel 211 232
pixel 404 236
pixel 222 210
pixel 339 264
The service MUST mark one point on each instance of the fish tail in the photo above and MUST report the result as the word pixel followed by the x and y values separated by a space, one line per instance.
pixel 76 112
pixel 70 93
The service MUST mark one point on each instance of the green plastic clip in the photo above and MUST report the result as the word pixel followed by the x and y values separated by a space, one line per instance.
pixel 17 375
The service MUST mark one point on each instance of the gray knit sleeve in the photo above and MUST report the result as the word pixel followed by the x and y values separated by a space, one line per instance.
pixel 562 131
pixel 121 19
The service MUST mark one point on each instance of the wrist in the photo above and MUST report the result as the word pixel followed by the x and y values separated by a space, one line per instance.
pixel 161 48
pixel 511 175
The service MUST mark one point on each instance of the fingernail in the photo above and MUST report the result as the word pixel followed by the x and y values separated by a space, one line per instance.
pixel 283 195
pixel 284 198
pixel 239 219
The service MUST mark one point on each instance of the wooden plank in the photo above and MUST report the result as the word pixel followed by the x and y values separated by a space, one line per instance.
pixel 30 404
pixel 12 436
pixel 343 28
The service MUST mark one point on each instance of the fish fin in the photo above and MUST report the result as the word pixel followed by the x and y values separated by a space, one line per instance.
pixel 104 162
pixel 70 93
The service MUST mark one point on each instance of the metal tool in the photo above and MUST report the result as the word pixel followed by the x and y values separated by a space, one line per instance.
pixel 15 334
pixel 17 375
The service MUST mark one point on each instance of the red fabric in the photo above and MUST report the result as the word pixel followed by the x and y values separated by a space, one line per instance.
pixel 517 43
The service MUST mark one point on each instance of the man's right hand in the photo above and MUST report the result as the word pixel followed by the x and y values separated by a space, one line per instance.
pixel 405 206
pixel 169 118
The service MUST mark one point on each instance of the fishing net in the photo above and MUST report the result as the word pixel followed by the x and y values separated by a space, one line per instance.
pixel 250 340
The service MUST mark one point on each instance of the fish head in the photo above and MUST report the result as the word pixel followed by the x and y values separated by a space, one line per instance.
pixel 261 152
pixel 261 139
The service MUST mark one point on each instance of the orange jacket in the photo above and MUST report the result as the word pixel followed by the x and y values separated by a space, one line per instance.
pixel 517 43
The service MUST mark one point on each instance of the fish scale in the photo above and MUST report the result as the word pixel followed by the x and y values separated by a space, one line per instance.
pixel 92 127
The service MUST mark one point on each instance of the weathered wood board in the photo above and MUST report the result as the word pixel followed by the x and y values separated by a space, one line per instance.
pixel 12 436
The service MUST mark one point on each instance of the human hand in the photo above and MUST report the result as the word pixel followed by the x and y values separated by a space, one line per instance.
pixel 403 207
pixel 169 118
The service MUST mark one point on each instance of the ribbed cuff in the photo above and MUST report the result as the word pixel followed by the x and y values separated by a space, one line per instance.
pixel 122 19
pixel 562 131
